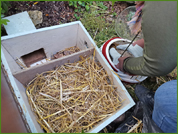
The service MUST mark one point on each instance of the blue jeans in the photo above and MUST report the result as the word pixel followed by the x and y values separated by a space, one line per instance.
pixel 165 107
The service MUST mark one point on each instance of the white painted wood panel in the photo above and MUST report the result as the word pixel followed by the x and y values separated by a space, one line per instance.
pixel 14 67
pixel 52 41
pixel 27 75
pixel 61 37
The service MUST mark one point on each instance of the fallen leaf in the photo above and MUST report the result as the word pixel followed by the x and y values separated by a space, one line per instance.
pixel 35 3
pixel 47 14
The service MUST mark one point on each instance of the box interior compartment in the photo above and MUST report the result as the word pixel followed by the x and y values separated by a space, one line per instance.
pixel 50 41
pixel 46 42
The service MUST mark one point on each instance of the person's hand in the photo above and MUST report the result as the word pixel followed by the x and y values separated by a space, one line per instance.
pixel 120 65
pixel 139 43
pixel 135 50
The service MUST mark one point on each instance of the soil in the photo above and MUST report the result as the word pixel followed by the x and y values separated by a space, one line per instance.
pixel 56 12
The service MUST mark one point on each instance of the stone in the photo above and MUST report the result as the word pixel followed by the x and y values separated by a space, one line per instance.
pixel 19 23
pixel 36 16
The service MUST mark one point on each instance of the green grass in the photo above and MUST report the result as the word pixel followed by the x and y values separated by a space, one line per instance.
pixel 98 27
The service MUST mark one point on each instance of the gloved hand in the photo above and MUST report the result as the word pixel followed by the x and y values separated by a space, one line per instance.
pixel 115 55
pixel 135 50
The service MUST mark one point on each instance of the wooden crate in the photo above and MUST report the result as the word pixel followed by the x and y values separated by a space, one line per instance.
pixel 52 40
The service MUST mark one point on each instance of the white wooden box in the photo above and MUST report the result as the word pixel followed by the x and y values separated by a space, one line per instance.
pixel 51 40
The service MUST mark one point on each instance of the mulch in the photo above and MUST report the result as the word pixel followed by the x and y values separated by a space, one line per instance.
pixel 56 12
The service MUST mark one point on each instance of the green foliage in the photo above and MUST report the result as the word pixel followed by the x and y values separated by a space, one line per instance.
pixel 5 5
pixel 92 21
pixel 87 7
pixel 113 4
pixel 4 21
pixel 97 26
pixel 82 6
pixel 101 5
pixel 106 34
pixel 79 5
pixel 114 14
pixel 76 16
pixel 4 9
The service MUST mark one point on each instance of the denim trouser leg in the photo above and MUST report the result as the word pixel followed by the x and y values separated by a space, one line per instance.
pixel 165 107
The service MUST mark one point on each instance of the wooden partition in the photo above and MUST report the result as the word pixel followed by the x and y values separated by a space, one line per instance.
pixel 52 40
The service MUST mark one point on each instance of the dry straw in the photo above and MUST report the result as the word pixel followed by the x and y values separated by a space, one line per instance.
pixel 73 97
pixel 137 128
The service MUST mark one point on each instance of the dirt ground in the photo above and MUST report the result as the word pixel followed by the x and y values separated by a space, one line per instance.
pixel 56 12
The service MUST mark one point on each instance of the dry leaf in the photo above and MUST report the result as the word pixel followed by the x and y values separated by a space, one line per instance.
pixel 35 3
